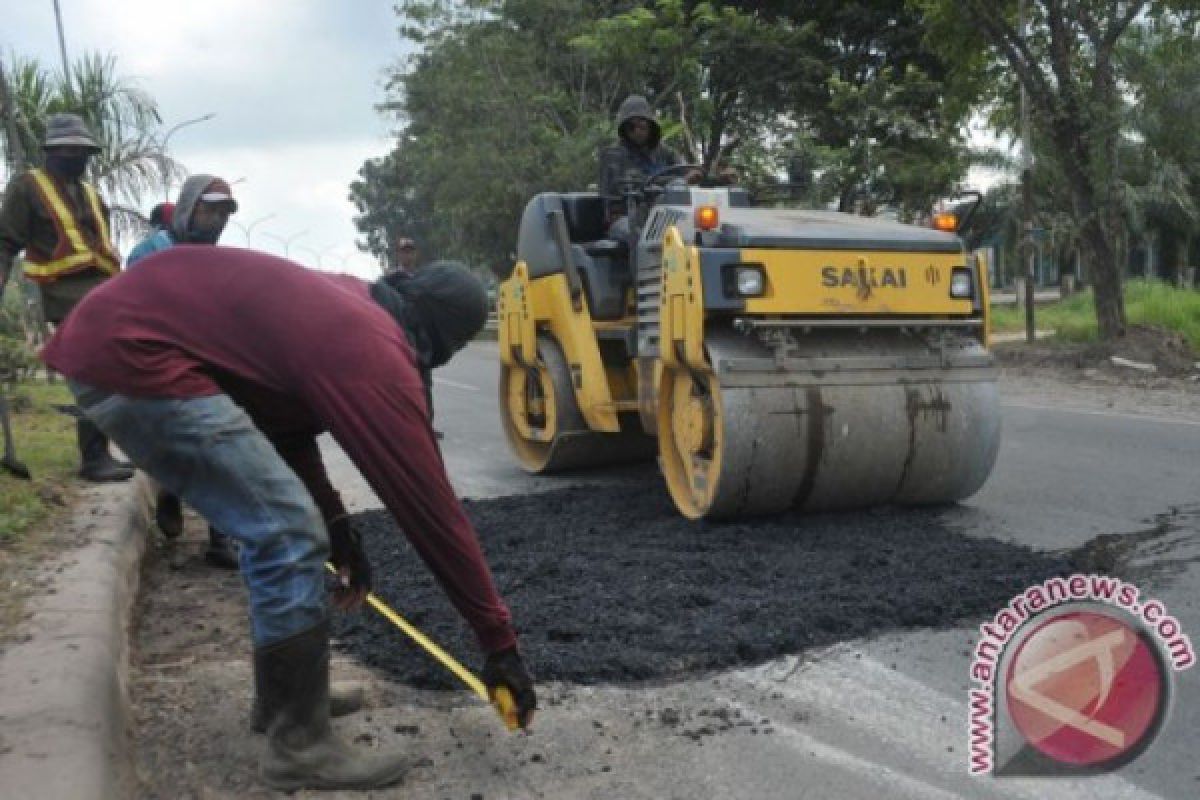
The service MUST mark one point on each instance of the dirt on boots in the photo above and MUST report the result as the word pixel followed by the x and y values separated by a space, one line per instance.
pixel 302 752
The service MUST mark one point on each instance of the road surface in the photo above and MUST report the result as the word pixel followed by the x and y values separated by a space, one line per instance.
pixel 866 719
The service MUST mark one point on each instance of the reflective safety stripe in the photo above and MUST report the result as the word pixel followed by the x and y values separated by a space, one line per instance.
pixel 74 253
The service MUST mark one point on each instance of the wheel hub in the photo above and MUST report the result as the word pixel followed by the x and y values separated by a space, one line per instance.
pixel 694 424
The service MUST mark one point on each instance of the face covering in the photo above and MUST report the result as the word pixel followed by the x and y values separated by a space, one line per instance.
pixel 70 167
pixel 205 235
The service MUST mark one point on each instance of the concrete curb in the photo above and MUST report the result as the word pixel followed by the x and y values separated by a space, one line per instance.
pixel 65 722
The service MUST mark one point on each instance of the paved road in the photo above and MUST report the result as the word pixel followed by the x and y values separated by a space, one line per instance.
pixel 868 719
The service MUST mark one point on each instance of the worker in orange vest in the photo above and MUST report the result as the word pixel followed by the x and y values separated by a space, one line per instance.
pixel 62 225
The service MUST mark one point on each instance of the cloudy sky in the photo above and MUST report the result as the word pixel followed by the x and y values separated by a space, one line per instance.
pixel 292 85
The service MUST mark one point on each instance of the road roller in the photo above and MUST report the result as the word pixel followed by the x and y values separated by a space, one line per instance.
pixel 769 357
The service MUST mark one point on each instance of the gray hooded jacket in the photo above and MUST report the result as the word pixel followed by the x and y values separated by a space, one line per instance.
pixel 185 207
pixel 625 157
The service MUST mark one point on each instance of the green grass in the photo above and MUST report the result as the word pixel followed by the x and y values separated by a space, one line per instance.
pixel 1146 303
pixel 45 442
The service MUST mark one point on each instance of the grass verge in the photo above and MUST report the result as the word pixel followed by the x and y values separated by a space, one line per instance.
pixel 1146 303
pixel 45 442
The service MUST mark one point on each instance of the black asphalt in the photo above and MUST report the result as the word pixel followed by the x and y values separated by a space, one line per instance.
pixel 611 585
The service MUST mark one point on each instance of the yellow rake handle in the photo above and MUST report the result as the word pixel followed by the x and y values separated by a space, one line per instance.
pixel 501 698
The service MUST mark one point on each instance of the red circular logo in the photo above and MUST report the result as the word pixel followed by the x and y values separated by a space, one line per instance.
pixel 1086 688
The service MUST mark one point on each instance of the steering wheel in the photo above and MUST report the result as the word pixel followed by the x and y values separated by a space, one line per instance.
pixel 660 178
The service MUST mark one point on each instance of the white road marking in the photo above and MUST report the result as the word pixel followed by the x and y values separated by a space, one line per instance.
pixel 897 784
pixel 860 704
pixel 456 385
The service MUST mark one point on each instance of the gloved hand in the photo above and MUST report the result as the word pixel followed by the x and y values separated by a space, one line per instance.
pixel 505 668
pixel 354 571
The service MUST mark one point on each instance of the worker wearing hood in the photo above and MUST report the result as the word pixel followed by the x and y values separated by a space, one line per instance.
pixel 205 203
pixel 198 217
pixel 196 336
pixel 639 150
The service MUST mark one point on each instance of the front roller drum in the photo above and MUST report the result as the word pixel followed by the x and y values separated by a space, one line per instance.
pixel 543 423
pixel 725 452
pixel 907 437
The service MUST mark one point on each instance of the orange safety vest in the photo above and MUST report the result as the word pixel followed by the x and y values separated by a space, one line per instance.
pixel 73 252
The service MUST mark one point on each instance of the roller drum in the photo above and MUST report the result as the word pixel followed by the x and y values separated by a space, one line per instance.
pixel 543 423
pixel 848 421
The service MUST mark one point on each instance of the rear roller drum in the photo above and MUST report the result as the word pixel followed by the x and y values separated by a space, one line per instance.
pixel 543 423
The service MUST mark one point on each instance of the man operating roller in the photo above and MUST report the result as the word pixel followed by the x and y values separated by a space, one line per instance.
pixel 196 335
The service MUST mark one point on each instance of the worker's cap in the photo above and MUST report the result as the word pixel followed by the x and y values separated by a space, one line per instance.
pixel 404 243
pixel 69 130
pixel 162 214
pixel 218 191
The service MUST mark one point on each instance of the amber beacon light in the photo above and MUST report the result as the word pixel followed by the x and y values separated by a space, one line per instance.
pixel 707 218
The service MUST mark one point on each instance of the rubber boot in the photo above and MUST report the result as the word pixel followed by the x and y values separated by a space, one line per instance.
pixel 343 700
pixel 302 752
pixel 98 465
pixel 222 552
pixel 168 514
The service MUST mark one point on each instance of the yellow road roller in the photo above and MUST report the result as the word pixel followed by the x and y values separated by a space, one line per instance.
pixel 771 358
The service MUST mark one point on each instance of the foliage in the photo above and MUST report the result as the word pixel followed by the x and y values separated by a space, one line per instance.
pixel 508 98
pixel 494 110
pixel 1147 302
pixel 1069 67
pixel 123 118
pixel 1162 55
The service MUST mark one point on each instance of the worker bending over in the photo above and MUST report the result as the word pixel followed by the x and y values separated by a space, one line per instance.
pixel 161 358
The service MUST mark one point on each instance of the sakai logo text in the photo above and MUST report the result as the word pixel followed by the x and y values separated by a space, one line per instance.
pixel 864 277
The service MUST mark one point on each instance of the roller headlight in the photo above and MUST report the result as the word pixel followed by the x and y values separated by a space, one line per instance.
pixel 960 283
pixel 749 281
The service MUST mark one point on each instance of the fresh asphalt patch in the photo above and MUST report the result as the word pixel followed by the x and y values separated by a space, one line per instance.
pixel 611 585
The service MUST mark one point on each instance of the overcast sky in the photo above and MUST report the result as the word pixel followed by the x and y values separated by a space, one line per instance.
pixel 293 85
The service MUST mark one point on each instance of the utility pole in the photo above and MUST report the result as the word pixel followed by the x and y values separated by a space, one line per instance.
pixel 1027 192
pixel 62 47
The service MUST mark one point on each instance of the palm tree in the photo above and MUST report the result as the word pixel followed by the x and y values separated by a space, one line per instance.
pixel 123 118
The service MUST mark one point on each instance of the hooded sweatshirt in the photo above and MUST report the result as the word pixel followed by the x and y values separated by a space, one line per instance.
pixel 189 198
pixel 626 156
pixel 197 319
pixel 181 218
pixel 440 308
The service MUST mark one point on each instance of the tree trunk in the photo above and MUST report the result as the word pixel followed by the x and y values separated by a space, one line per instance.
pixel 1105 269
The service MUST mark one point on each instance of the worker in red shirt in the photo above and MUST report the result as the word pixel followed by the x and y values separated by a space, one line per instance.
pixel 197 331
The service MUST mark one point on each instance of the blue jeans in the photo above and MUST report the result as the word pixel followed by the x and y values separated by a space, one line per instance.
pixel 207 451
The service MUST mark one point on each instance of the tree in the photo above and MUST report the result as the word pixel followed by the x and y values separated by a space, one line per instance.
pixel 723 76
pixel 893 113
pixel 509 98
pixel 496 108
pixel 1162 55
pixel 123 118
pixel 1068 67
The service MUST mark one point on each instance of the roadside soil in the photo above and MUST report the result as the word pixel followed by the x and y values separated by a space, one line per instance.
pixel 592 626
pixel 28 564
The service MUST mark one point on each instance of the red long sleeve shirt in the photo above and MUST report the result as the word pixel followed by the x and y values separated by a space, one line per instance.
pixel 307 352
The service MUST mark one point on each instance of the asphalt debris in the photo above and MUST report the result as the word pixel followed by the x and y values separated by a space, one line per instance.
pixel 609 585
